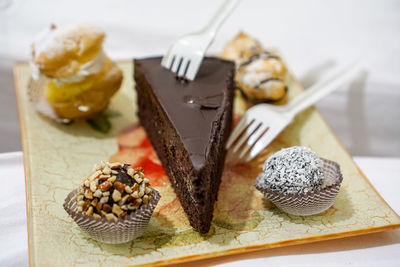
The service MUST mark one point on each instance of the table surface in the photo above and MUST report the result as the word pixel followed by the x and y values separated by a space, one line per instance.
pixel 314 37
pixel 379 249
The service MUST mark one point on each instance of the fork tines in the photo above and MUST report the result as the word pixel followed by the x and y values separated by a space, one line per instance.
pixel 245 136
pixel 178 66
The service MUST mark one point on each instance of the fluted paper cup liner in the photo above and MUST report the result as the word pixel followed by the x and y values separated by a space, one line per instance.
pixel 121 231
pixel 310 203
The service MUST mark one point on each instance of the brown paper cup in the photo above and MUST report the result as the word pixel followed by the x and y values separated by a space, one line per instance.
pixel 121 231
pixel 305 204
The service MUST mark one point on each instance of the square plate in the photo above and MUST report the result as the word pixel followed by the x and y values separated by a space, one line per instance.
pixel 56 157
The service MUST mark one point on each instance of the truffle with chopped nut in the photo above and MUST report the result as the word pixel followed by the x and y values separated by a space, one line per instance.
pixel 299 182
pixel 113 190
pixel 114 203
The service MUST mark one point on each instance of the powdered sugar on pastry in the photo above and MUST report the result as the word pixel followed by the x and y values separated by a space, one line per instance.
pixel 92 67
pixel 55 41
pixel 241 48
pixel 255 72
pixel 67 44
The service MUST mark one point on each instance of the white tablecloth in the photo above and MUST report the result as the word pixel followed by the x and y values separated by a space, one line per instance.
pixel 380 249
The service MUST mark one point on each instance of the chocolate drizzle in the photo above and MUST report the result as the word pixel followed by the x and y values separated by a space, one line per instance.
pixel 255 100
pixel 264 54
pixel 268 80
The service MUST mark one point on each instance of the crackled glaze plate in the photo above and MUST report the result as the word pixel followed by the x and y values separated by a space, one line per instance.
pixel 56 156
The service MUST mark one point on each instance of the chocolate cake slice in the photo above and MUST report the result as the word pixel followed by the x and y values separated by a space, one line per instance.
pixel 188 124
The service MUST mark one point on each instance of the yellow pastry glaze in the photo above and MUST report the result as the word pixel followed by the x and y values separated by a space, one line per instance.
pixel 67 91
pixel 87 98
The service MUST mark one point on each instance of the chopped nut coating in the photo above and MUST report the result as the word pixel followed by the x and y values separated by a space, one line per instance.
pixel 105 186
pixel 106 192
pixel 116 196
pixel 117 210
pixel 119 186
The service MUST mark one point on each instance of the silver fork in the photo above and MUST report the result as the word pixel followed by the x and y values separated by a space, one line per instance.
pixel 185 55
pixel 262 123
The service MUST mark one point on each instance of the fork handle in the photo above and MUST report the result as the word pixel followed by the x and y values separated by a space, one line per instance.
pixel 222 13
pixel 321 89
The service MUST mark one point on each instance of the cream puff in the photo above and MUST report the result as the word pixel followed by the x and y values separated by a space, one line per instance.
pixel 260 74
pixel 80 78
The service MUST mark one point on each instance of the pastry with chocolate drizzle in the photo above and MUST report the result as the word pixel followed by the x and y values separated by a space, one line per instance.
pixel 260 74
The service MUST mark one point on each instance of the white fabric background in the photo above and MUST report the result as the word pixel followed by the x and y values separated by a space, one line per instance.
pixel 314 36
pixel 380 249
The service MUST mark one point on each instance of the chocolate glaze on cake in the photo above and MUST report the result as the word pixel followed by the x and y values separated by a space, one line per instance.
pixel 188 124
